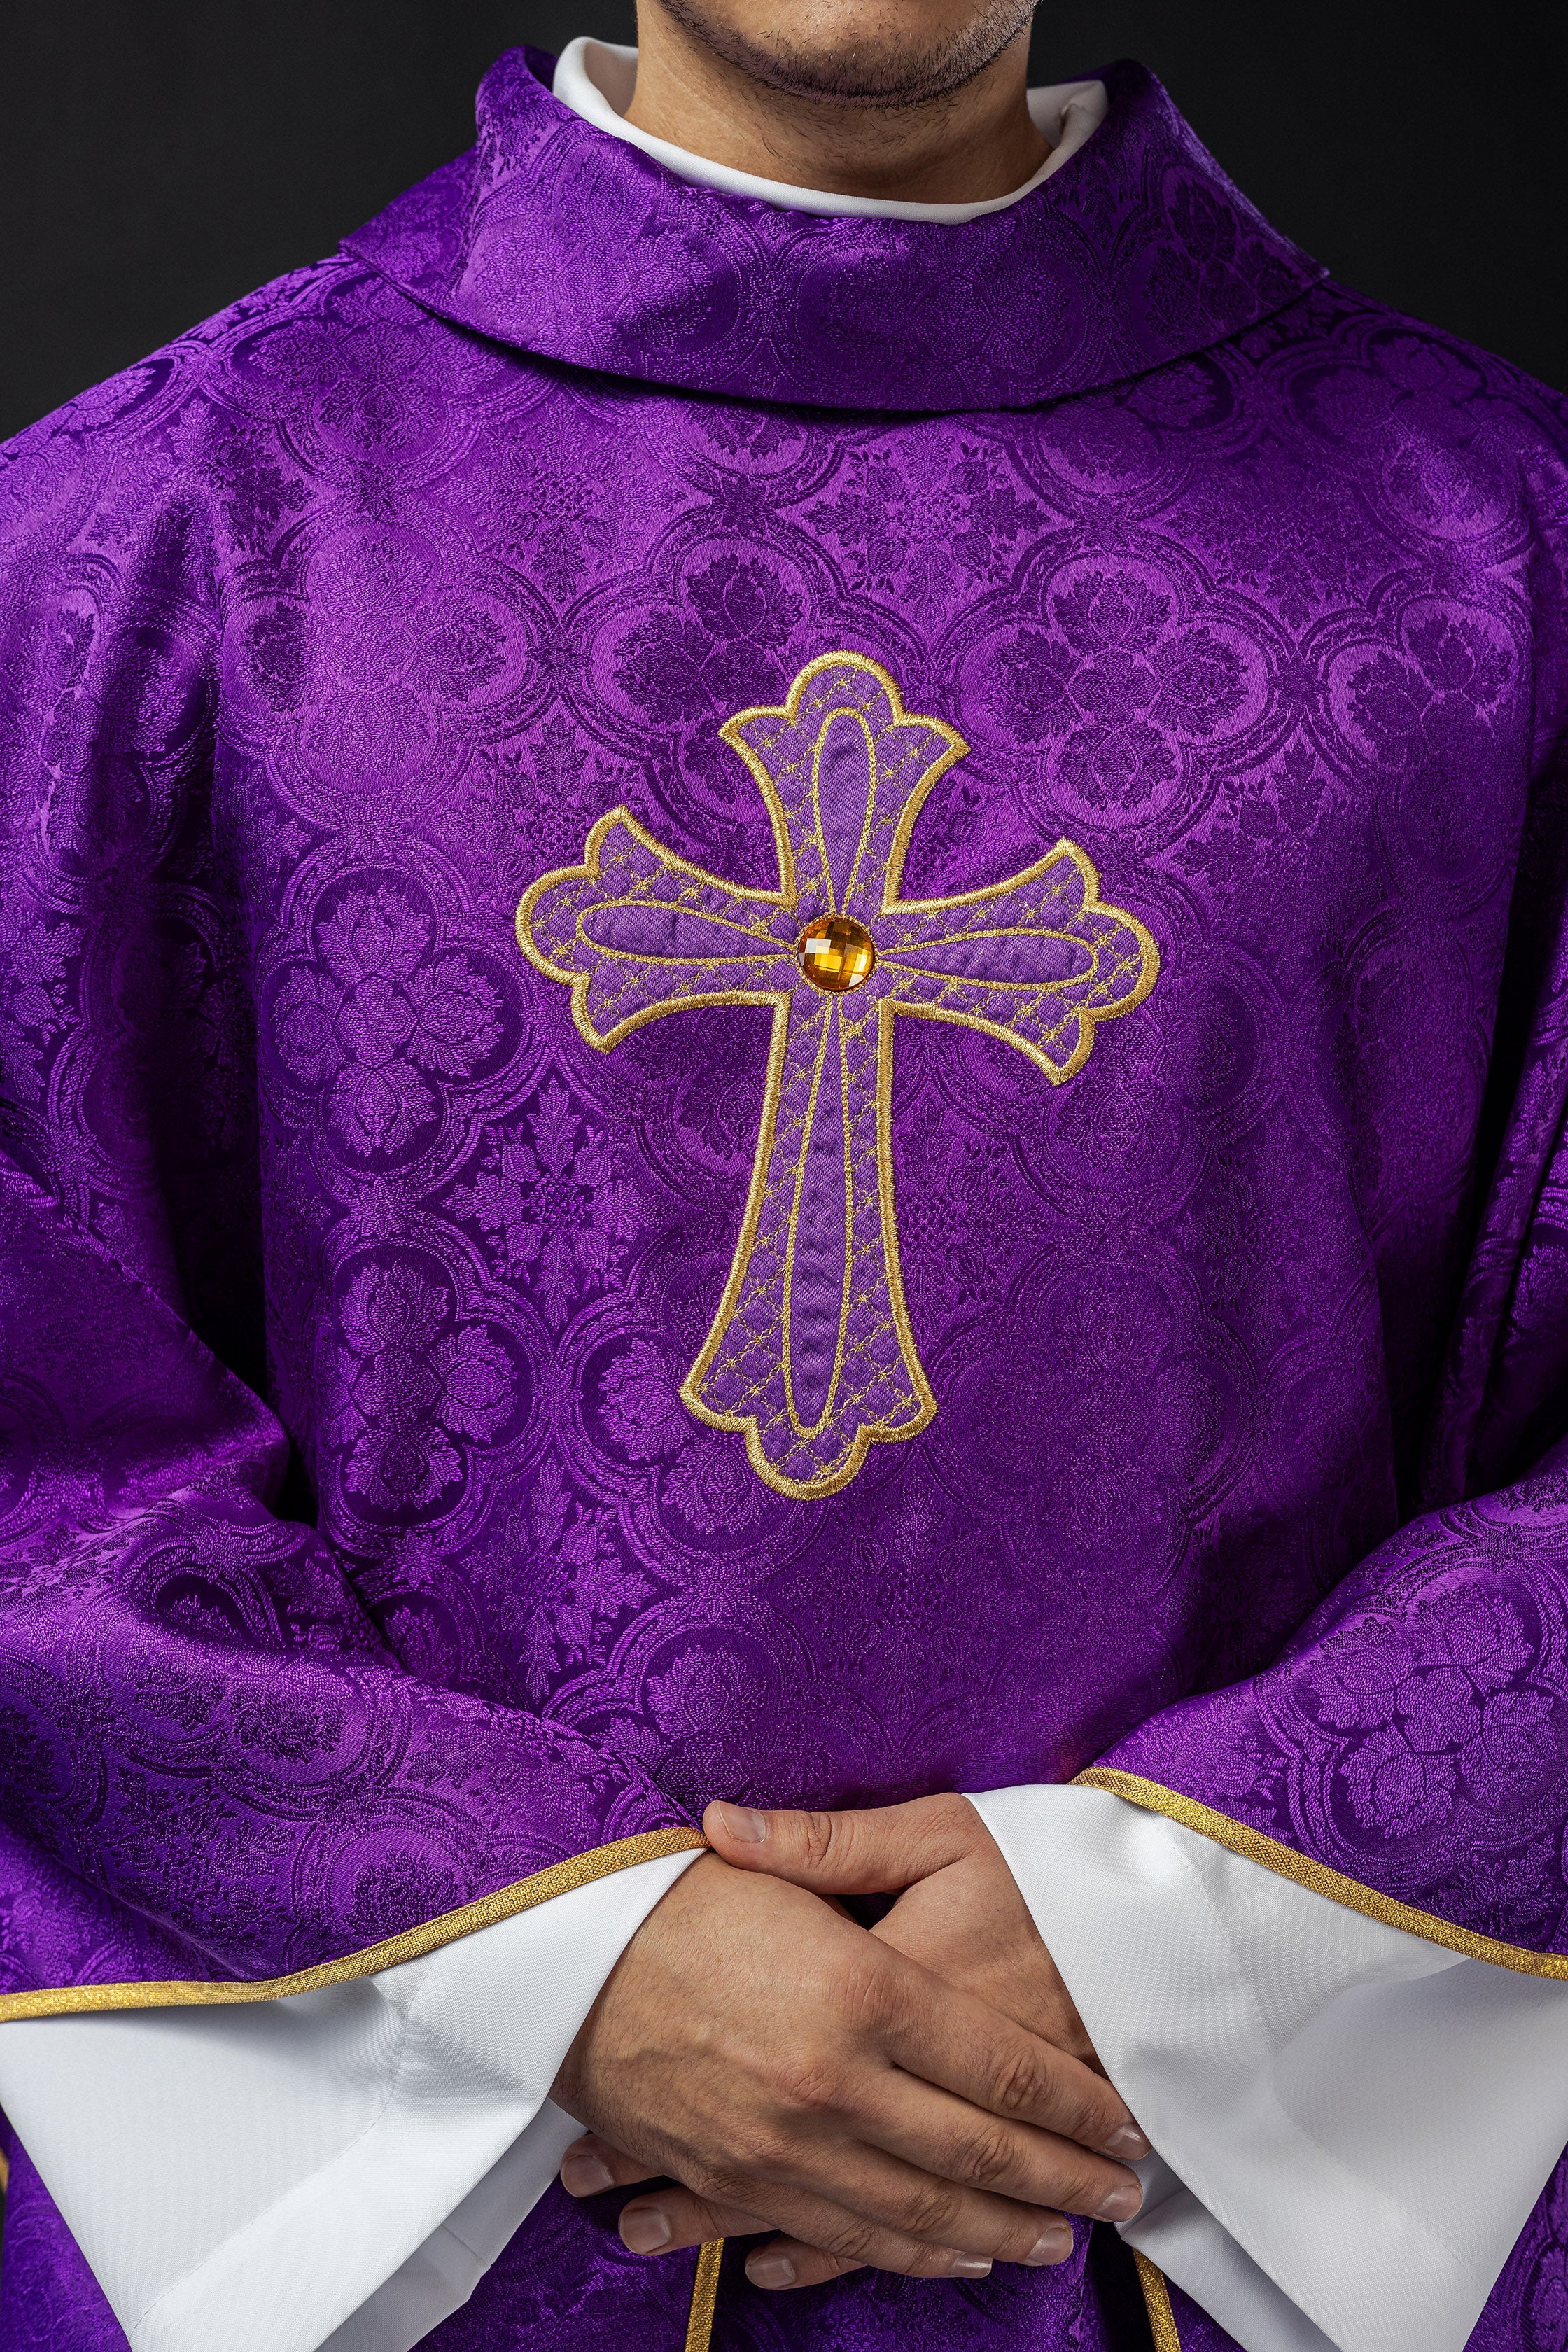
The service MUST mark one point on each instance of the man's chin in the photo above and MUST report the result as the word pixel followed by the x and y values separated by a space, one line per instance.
pixel 857 52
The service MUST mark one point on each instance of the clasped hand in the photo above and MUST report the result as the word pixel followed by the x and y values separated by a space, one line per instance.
pixel 922 2099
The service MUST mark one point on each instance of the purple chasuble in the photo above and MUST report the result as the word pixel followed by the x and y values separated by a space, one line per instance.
pixel 781 1017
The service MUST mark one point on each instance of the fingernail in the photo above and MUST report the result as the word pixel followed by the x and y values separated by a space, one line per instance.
pixel 744 1825
pixel 645 2227
pixel 969 2266
pixel 1052 2245
pixel 584 2176
pixel 1120 2204
pixel 770 2269
pixel 1129 2142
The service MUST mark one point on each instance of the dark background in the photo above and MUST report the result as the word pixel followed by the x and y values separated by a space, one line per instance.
pixel 160 157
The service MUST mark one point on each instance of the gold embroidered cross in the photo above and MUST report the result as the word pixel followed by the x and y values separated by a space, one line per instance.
pixel 810 1353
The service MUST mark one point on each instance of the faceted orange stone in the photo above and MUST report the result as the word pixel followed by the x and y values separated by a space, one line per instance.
pixel 836 953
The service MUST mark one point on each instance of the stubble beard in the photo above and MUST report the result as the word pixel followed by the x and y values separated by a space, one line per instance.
pixel 878 69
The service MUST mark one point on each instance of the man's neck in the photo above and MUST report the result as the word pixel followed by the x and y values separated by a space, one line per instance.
pixel 968 145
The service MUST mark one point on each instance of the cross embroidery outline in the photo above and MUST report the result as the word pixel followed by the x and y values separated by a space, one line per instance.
pixel 810 1354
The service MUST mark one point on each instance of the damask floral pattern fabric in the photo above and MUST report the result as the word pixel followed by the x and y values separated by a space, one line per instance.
pixel 366 1547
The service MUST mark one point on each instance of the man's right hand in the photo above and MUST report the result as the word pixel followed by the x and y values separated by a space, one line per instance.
pixel 794 2073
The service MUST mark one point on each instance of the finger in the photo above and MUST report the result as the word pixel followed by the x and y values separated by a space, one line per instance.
pixel 673 2218
pixel 959 2044
pixel 874 2190
pixel 787 2261
pixel 851 2236
pixel 825 2240
pixel 591 2165
pixel 874 1852
pixel 858 2203
pixel 967 2148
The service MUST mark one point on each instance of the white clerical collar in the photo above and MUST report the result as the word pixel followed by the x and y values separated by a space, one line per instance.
pixel 596 78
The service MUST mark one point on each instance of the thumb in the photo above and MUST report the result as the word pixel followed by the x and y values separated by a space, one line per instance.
pixel 880 1851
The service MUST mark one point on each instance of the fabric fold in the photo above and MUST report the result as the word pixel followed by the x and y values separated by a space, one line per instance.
pixel 339 2167
pixel 1351 2123
pixel 1039 298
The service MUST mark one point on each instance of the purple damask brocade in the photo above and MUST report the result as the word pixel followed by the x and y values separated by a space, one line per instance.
pixel 1412 1734
pixel 1146 254
pixel 338 629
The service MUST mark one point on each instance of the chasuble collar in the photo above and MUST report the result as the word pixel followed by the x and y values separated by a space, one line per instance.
pixel 560 239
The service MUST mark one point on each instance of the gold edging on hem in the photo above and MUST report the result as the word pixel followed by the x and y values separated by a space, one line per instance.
pixel 559 1878
pixel 1157 2304
pixel 704 2295
pixel 1253 1846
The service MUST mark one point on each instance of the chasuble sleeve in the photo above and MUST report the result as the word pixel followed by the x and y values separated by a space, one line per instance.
pixel 1309 2078
pixel 1406 1752
pixel 334 2171
pixel 1402 1763
pixel 213 1765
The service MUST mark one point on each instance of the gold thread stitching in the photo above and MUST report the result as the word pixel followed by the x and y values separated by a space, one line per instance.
pixel 580 982
pixel 1157 2304
pixel 839 1020
pixel 739 1265
pixel 895 1269
pixel 792 1227
pixel 747 1424
pixel 869 821
pixel 914 1408
pixel 846 711
pixel 1089 1017
pixel 1253 1846
pixel 789 710
pixel 704 2295
pixel 413 1943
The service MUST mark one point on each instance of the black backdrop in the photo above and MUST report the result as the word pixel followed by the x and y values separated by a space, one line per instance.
pixel 160 157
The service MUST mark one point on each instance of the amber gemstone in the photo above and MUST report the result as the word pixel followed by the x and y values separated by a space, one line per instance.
pixel 837 952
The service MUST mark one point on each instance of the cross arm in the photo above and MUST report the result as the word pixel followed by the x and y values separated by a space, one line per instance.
pixel 1036 960
pixel 636 932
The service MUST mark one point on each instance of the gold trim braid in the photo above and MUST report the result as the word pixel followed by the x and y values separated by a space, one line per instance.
pixel 559 1878
pixel 704 2296
pixel 1253 1846
pixel 1157 2304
